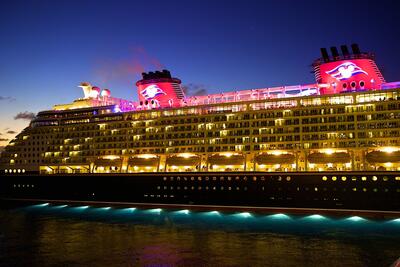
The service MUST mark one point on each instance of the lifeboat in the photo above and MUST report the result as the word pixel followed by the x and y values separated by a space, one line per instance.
pixel 183 161
pixel 226 160
pixel 383 157
pixel 137 161
pixel 270 159
pixel 324 158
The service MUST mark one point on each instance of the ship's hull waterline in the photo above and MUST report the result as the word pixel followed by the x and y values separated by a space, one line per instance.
pixel 287 192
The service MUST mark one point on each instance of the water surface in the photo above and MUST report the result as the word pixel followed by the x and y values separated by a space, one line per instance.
pixel 48 235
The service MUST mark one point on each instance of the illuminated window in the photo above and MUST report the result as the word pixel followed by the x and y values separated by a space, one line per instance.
pixel 374 178
pixel 334 178
pixel 344 178
pixel 324 178
pixel 288 178
pixel 364 178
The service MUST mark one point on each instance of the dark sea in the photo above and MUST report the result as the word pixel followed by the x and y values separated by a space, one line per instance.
pixel 48 235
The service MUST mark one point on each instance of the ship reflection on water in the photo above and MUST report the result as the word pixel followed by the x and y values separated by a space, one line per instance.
pixel 61 235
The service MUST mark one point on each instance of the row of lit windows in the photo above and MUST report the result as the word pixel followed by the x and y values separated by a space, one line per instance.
pixel 14 171
pixel 24 185
pixel 237 188
pixel 278 178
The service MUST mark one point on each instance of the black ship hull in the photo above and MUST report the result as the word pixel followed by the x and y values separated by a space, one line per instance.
pixel 378 191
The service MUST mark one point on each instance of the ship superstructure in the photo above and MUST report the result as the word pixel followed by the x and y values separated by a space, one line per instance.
pixel 349 120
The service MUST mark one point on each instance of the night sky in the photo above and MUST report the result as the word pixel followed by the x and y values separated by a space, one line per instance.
pixel 48 47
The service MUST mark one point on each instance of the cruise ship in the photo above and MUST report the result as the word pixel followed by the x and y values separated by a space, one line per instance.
pixel 333 144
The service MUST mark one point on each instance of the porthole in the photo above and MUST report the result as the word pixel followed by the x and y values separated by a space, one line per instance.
pixel 237 188
pixel 386 190
pixel 14 171
pixel 199 188
pixel 185 188
pixel 397 178
pixel 365 189
pixel 214 178
pixel 221 178
pixel 385 178
pixel 23 170
pixel 316 189
pixel 192 178
pixel 222 188
pixel 229 188
pixel 334 178
pixel 288 178
pixel 172 178
pixel 192 187
pixel 237 178
pixel 354 189
pixel 164 178
pixel 362 84
pixel 207 178
pixel 354 178
pixel 199 178
pixel 178 178
pixel 353 84
pixel 344 178
pixel 375 190
pixel 324 178
pixel 254 178
pixel 5 171
pixel 229 178
pixel 374 178
pixel 364 178
pixel 245 178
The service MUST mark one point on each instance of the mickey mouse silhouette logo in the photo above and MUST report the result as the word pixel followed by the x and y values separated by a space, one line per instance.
pixel 152 91
pixel 345 71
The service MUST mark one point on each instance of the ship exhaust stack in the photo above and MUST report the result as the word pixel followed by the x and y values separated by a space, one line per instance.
pixel 159 89
pixel 356 49
pixel 345 51
pixel 335 53
pixel 347 72
pixel 324 54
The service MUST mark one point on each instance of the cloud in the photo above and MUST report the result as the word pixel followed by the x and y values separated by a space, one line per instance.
pixel 25 116
pixel 11 132
pixel 128 69
pixel 7 98
pixel 192 89
pixel 3 139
